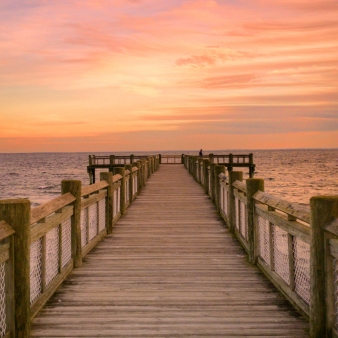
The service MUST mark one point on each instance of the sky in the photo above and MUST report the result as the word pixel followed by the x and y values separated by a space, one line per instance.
pixel 142 75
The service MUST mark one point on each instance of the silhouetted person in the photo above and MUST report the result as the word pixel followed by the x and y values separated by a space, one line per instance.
pixel 201 153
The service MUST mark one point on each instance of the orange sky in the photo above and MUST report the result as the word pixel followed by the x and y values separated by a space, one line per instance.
pixel 124 75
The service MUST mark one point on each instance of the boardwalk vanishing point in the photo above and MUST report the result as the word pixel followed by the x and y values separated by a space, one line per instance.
pixel 170 268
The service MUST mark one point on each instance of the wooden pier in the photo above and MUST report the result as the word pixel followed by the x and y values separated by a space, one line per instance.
pixel 170 268
pixel 169 246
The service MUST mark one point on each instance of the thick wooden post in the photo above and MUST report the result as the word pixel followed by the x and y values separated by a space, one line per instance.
pixel 251 166
pixel 16 213
pixel 218 169
pixel 231 162
pixel 74 187
pixel 111 159
pixel 324 209
pixel 233 176
pixel 121 171
pixel 252 186
pixel 108 177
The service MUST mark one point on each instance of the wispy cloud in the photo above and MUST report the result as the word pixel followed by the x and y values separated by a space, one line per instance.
pixel 182 68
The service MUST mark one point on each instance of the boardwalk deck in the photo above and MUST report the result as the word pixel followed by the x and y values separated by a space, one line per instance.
pixel 170 269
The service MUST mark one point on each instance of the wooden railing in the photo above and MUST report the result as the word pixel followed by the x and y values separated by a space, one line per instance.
pixel 147 164
pixel 295 247
pixel 51 239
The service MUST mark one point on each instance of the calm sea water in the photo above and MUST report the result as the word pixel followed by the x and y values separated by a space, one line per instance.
pixel 294 175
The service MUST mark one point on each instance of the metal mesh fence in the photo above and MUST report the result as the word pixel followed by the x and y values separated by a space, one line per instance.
pixel 264 239
pixel 335 265
pixel 127 191
pixel 221 197
pixel 115 202
pixel 35 269
pixel 92 215
pixel 237 206
pixel 243 224
pixel 281 253
pixel 135 185
pixel 301 251
pixel 102 214
pixel 66 242
pixel 3 326
pixel 84 220
pixel 118 200
pixel 52 254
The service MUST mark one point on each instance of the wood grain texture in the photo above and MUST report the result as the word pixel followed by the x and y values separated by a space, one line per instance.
pixel 169 269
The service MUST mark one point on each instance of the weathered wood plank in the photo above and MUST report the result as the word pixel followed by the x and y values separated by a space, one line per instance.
pixel 48 208
pixel 169 269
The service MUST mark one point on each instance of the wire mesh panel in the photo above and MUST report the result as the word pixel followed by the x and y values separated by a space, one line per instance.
pixel 264 239
pixel 221 196
pixel 66 242
pixel 92 221
pixel 115 202
pixel 3 326
pixel 237 206
pixel 52 254
pixel 134 185
pixel 301 251
pixel 243 224
pixel 281 253
pixel 127 191
pixel 102 214
pixel 209 182
pixel 35 269
pixel 84 220
pixel 336 292
pixel 225 201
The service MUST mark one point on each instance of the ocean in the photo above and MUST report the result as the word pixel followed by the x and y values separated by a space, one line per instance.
pixel 293 175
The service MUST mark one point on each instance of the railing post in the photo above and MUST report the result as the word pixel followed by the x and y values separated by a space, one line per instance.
pixel 74 187
pixel 132 158
pixel 107 176
pixel 121 171
pixel 231 162
pixel 16 213
pixel 233 176
pixel 211 158
pixel 324 209
pixel 252 186
pixel 252 166
pixel 111 159
pixel 218 169
pixel 160 158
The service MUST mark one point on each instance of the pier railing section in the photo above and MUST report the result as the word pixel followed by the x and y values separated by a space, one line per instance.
pixel 295 247
pixel 39 247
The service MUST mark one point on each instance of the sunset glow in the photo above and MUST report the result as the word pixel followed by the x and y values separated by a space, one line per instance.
pixel 124 75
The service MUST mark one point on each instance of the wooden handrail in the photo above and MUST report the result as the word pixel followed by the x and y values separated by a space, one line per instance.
pixel 48 208
pixel 289 208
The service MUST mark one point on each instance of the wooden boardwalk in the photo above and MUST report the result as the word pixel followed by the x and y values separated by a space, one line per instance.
pixel 170 269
